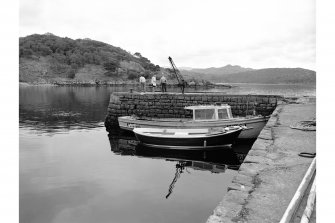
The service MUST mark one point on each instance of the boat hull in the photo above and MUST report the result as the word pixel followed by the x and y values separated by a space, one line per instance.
pixel 253 125
pixel 211 141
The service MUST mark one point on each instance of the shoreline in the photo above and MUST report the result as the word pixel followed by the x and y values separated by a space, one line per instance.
pixel 97 84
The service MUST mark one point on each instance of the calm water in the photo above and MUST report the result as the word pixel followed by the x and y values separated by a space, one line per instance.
pixel 71 170
pixel 271 89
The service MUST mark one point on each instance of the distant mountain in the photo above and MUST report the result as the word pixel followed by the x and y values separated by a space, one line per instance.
pixel 185 68
pixel 270 76
pixel 228 69
pixel 238 74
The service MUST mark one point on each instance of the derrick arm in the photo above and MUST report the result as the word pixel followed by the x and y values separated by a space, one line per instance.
pixel 179 169
pixel 178 75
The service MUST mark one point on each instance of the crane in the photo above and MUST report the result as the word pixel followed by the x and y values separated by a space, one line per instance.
pixel 180 79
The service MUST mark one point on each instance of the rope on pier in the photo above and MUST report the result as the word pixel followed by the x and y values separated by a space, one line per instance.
pixel 305 125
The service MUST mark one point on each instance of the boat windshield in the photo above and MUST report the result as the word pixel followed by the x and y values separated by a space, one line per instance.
pixel 202 114
pixel 223 113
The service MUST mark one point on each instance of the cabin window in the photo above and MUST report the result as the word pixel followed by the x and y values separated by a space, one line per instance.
pixel 204 114
pixel 223 114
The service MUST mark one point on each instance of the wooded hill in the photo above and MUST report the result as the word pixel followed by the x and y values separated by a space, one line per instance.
pixel 48 58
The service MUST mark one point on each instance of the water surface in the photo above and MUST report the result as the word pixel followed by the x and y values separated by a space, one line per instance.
pixel 72 170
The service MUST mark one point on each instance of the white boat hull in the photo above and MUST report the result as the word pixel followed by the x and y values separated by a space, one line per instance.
pixel 198 139
pixel 254 125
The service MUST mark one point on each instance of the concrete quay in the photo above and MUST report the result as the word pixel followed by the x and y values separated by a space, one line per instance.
pixel 272 171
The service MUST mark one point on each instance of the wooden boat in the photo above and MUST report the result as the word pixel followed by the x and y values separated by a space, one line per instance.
pixel 187 138
pixel 204 116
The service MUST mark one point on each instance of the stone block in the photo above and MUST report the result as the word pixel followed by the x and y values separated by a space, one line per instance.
pixel 236 196
pixel 266 134
pixel 215 99
pixel 253 168
pixel 272 122
pixel 252 99
pixel 258 153
pixel 243 180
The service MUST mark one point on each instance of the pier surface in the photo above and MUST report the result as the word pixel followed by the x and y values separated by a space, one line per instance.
pixel 272 171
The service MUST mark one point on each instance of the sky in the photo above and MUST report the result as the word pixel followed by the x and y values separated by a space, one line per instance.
pixel 195 33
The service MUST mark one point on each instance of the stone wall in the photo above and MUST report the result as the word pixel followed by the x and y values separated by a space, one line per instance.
pixel 171 105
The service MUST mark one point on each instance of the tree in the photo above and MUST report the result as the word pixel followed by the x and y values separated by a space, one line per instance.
pixel 111 66
pixel 137 54
pixel 147 74
pixel 71 73
pixel 132 75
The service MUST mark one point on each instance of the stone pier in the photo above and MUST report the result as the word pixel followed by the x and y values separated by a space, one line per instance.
pixel 272 171
pixel 171 105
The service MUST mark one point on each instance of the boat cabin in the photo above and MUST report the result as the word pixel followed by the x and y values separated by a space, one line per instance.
pixel 210 112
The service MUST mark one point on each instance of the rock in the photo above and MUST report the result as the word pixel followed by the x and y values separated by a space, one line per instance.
pixel 214 219
pixel 217 219
pixel 239 187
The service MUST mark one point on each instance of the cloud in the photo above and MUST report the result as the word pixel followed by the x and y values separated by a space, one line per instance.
pixel 195 33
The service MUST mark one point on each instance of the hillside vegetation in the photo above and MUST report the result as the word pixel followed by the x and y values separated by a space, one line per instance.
pixel 48 58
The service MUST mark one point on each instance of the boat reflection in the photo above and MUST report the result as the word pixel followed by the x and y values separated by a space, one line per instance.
pixel 216 161
pixel 127 145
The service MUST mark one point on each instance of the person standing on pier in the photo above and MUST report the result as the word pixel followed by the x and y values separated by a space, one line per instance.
pixel 142 82
pixel 183 84
pixel 163 83
pixel 153 82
